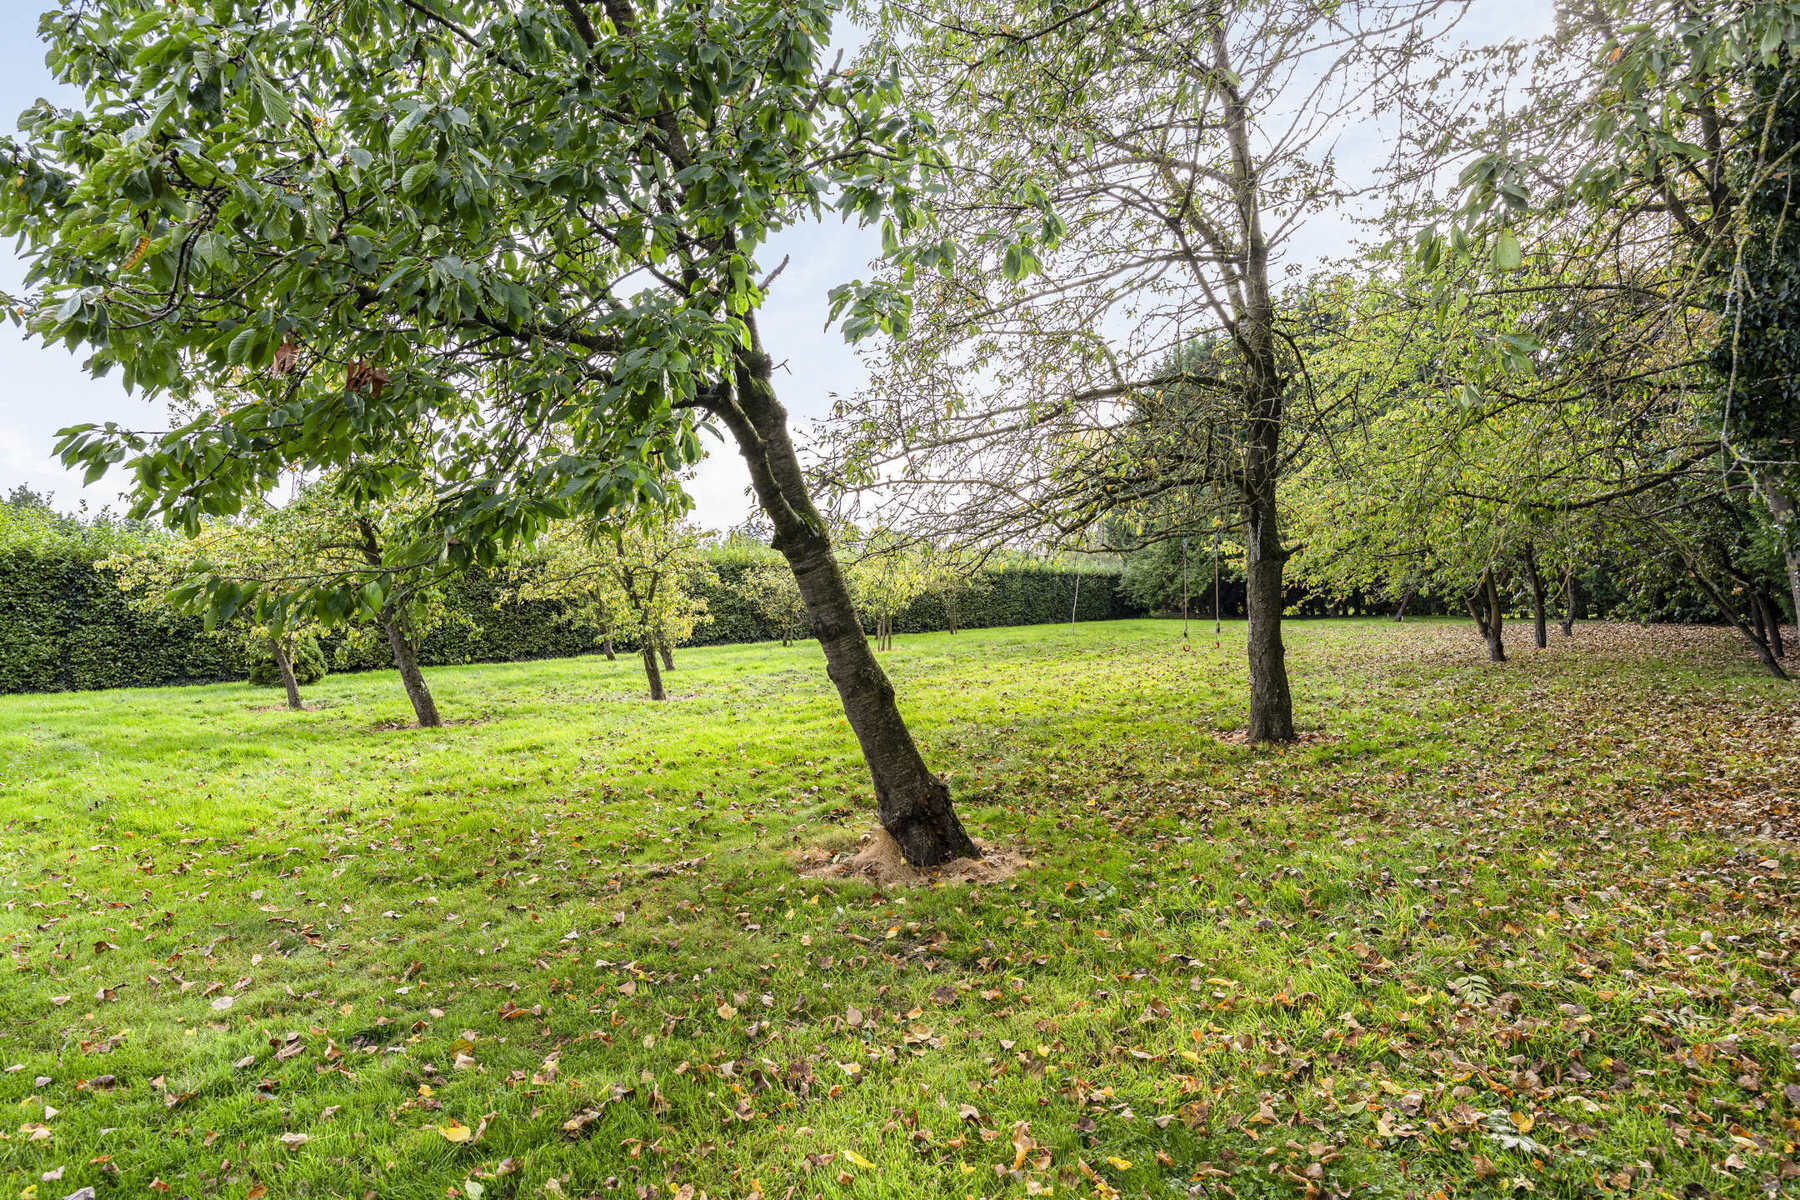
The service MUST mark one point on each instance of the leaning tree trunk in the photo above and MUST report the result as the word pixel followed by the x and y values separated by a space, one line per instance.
pixel 1477 603
pixel 1759 642
pixel 668 655
pixel 912 804
pixel 1490 627
pixel 606 648
pixel 288 681
pixel 647 647
pixel 1540 630
pixel 1772 622
pixel 1405 599
pixel 408 662
pixel 1271 701
pixel 1572 598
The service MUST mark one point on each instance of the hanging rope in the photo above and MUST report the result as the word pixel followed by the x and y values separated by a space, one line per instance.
pixel 1184 588
pixel 1215 589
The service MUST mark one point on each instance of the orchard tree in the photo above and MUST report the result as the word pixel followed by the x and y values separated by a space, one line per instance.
pixel 886 575
pixel 263 543
pixel 1652 164
pixel 642 577
pixel 532 234
pixel 1127 176
pixel 769 589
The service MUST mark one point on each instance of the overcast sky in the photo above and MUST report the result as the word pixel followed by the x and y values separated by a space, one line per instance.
pixel 43 389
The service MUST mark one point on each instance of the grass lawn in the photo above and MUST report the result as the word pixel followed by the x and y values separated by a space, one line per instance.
pixel 1526 929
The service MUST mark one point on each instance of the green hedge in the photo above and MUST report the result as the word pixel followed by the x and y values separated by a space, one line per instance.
pixel 65 625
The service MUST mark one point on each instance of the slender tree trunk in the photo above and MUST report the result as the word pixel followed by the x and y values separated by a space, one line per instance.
pixel 288 681
pixel 1572 600
pixel 1271 701
pixel 408 662
pixel 1477 602
pixel 647 646
pixel 912 804
pixel 668 655
pixel 1757 623
pixel 1540 629
pixel 1771 612
pixel 1490 592
pixel 1405 599
pixel 606 647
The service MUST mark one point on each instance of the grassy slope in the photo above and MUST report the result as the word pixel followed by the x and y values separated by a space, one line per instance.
pixel 1498 929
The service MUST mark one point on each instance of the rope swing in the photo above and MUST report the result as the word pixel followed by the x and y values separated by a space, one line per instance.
pixel 1184 590
pixel 1215 589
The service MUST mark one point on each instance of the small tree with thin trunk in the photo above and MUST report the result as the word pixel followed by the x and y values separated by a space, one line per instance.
pixel 769 589
pixel 886 575
pixel 260 544
pixel 642 578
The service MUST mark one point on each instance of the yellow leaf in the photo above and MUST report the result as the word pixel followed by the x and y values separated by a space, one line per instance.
pixel 1118 1164
pixel 859 1160
pixel 726 1012
pixel 1522 1122
pixel 455 1131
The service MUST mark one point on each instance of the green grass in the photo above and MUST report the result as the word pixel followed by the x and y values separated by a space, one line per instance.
pixel 1527 929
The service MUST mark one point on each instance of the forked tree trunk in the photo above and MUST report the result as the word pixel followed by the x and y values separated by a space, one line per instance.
pixel 407 660
pixel 1771 613
pixel 1540 629
pixel 668 655
pixel 286 666
pixel 606 648
pixel 1492 617
pixel 1271 701
pixel 912 804
pixel 1571 595
pixel 1757 623
pixel 647 646
pixel 1477 602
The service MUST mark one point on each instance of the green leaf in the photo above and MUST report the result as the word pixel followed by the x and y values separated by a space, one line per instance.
pixel 1508 255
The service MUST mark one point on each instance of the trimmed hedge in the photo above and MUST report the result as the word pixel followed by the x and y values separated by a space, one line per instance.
pixel 65 625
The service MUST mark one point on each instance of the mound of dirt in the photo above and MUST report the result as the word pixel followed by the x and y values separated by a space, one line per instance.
pixel 1305 737
pixel 877 858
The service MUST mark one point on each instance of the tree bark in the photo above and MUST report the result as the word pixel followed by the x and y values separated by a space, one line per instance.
pixel 408 663
pixel 648 647
pixel 1400 612
pixel 606 648
pixel 1477 602
pixel 288 681
pixel 1771 620
pixel 1271 701
pixel 1490 593
pixel 1787 523
pixel 1571 595
pixel 668 655
pixel 1540 629
pixel 912 804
